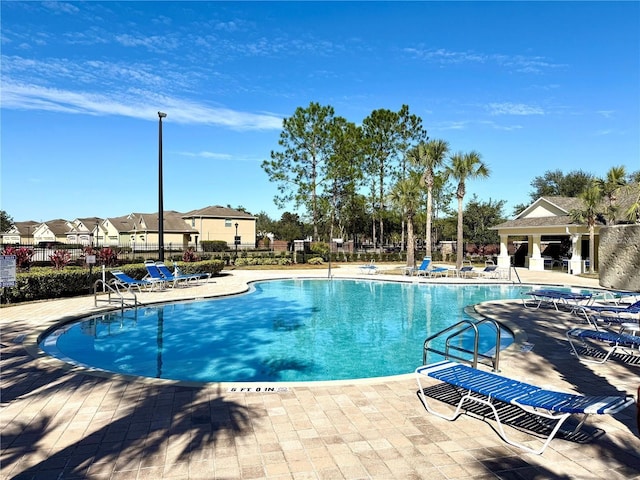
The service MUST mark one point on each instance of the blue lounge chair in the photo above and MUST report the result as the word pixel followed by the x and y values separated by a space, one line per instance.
pixel 609 314
pixel 632 308
pixel 154 274
pixel 485 388
pixel 438 271
pixel 197 276
pixel 370 268
pixel 490 271
pixel 164 270
pixel 548 296
pixel 122 280
pixel 614 341
pixel 423 268
pixel 466 271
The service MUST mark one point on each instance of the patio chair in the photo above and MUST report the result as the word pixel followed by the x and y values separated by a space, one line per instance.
pixel 164 270
pixel 485 388
pixel 122 280
pixel 155 274
pixel 423 269
pixel 573 300
pixel 177 272
pixel 465 271
pixel 438 271
pixel 611 342
pixel 489 271
pixel 370 268
pixel 609 314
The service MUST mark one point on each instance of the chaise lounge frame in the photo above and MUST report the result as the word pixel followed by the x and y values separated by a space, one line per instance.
pixel 615 341
pixel 486 387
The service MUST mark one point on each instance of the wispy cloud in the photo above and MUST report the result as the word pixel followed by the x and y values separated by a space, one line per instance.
pixel 450 125
pixel 464 124
pixel 156 43
pixel 225 158
pixel 497 126
pixel 607 113
pixel 519 63
pixel 601 133
pixel 61 7
pixel 97 87
pixel 135 104
pixel 212 155
pixel 508 108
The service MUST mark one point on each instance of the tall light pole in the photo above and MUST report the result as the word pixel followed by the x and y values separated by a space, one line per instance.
pixel 236 241
pixel 161 115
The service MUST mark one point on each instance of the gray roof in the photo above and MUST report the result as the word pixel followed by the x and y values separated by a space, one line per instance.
pixel 172 222
pixel 58 226
pixel 564 203
pixel 217 211
pixel 122 224
pixel 625 197
pixel 533 222
pixel 25 228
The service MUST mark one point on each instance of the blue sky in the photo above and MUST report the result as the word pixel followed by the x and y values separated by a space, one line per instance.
pixel 532 86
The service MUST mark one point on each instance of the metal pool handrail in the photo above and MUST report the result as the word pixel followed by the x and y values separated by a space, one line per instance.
pixel 458 329
pixel 109 289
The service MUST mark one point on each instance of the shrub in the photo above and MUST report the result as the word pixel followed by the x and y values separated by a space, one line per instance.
pixel 23 256
pixel 315 261
pixel 320 248
pixel 108 256
pixel 45 283
pixel 213 245
pixel 60 259
pixel 189 256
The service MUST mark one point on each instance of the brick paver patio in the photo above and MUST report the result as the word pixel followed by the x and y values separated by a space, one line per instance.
pixel 60 422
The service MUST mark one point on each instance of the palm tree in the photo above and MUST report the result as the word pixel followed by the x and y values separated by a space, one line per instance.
pixel 463 167
pixel 430 156
pixel 589 213
pixel 406 196
pixel 616 178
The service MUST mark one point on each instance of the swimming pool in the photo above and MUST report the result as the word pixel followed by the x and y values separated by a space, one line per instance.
pixel 284 330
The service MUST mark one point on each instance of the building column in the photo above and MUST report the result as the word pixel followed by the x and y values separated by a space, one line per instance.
pixel 536 261
pixel 504 261
pixel 575 262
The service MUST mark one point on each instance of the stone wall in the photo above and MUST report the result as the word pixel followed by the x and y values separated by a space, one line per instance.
pixel 619 257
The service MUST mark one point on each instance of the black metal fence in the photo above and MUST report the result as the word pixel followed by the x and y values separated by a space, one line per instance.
pixel 125 253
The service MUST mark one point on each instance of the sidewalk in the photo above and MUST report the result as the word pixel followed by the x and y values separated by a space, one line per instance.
pixel 67 423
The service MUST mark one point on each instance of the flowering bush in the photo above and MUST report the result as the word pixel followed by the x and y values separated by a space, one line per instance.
pixel 108 256
pixel 23 256
pixel 189 256
pixel 60 259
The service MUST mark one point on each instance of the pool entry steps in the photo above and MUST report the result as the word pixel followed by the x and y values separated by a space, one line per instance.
pixel 454 348
pixel 113 295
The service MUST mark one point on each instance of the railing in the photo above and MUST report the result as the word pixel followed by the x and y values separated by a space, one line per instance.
pixel 101 287
pixel 128 252
pixel 452 351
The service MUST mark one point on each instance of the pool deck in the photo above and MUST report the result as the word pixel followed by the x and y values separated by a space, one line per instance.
pixel 61 422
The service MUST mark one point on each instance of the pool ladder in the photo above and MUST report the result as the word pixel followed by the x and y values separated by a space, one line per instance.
pixel 455 351
pixel 102 287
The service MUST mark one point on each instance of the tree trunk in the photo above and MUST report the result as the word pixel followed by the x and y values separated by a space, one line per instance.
pixel 411 255
pixel 459 242
pixel 427 233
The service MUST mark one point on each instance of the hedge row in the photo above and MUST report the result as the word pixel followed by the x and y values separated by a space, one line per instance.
pixel 45 283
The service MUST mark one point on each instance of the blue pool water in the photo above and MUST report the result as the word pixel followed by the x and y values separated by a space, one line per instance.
pixel 285 330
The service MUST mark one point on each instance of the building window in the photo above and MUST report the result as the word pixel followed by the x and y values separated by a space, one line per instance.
pixel 227 222
pixel 193 222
